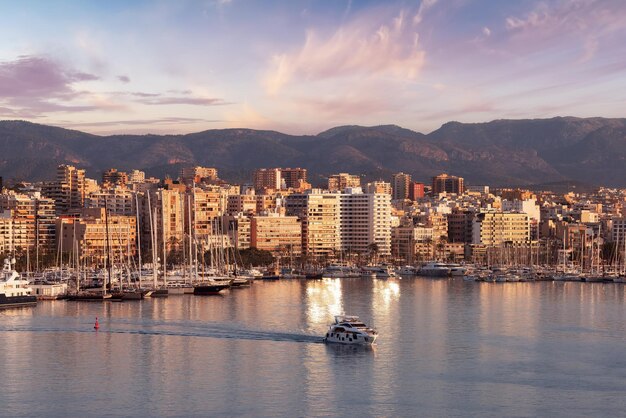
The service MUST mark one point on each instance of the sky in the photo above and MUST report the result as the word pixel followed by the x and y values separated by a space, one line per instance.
pixel 301 67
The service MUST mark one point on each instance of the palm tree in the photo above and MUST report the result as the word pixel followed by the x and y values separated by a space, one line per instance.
pixel 429 241
pixel 441 246
pixel 373 250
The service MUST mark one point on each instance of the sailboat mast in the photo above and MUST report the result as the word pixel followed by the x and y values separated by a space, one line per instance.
pixel 152 243
pixel 190 227
pixel 193 229
pixel 108 249
pixel 138 236
pixel 163 238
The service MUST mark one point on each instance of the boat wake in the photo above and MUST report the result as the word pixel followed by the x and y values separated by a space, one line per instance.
pixel 176 329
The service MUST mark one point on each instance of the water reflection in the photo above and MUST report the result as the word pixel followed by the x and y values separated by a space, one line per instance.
pixel 385 293
pixel 446 348
pixel 324 300
pixel 353 351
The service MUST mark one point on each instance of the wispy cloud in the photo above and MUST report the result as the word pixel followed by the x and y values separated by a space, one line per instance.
pixel 363 47
pixel 563 18
pixel 123 78
pixel 155 121
pixel 424 6
pixel 578 32
pixel 175 97
pixel 195 101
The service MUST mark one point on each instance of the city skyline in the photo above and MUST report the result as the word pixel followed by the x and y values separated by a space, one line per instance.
pixel 303 67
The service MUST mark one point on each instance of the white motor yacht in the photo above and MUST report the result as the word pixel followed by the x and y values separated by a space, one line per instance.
pixel 435 270
pixel 14 290
pixel 381 272
pixel 406 271
pixel 334 271
pixel 456 269
pixel 348 329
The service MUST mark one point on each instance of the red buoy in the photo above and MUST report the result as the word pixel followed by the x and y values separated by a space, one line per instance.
pixel 96 326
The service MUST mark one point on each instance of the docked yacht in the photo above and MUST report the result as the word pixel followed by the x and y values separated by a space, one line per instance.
pixel 381 272
pixel 435 270
pixel 339 271
pixel 457 270
pixel 350 330
pixel 14 291
pixel 406 271
pixel 211 287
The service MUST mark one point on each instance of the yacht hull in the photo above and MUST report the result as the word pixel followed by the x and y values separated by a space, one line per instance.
pixel 209 289
pixel 16 301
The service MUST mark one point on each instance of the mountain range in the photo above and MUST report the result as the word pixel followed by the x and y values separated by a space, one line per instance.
pixel 498 153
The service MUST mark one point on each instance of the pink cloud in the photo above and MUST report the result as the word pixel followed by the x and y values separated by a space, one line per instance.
pixel 364 47
pixel 31 76
pixel 31 85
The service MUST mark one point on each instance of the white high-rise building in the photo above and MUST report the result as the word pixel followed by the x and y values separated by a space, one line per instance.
pixel 365 219
pixel 351 221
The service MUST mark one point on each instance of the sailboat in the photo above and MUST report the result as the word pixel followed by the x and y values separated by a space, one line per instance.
pixel 210 285
pixel 157 291
pixel 102 294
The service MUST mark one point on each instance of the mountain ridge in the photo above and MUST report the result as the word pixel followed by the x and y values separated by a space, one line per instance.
pixel 499 153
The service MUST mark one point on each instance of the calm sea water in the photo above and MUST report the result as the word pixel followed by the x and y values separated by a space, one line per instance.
pixel 446 348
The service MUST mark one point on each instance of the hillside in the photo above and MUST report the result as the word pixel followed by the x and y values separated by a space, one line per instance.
pixel 501 152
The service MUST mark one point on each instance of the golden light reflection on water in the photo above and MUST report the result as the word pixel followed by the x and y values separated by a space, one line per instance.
pixel 324 300
pixel 385 293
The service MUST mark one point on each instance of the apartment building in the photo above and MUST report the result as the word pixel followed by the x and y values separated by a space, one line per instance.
pixel 28 222
pixel 349 221
pixel 401 183
pixel 275 233
pixel 68 190
pixel 497 228
pixel 338 182
pixel 86 236
pixel 445 183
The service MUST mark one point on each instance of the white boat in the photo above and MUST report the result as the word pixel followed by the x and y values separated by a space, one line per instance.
pixel 406 271
pixel 251 273
pixel 456 269
pixel 289 273
pixel 340 271
pixel 14 290
pixel 381 272
pixel 435 270
pixel 348 329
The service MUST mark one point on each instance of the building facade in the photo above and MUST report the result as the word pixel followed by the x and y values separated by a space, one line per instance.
pixel 493 229
pixel 338 182
pixel 278 234
pixel 445 183
pixel 401 183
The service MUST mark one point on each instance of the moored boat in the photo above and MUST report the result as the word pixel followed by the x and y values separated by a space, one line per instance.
pixel 211 288
pixel 14 291
pixel 435 270
pixel 406 271
pixel 89 296
pixel 381 272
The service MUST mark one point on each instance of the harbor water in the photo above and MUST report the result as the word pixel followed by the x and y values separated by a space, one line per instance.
pixel 446 347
